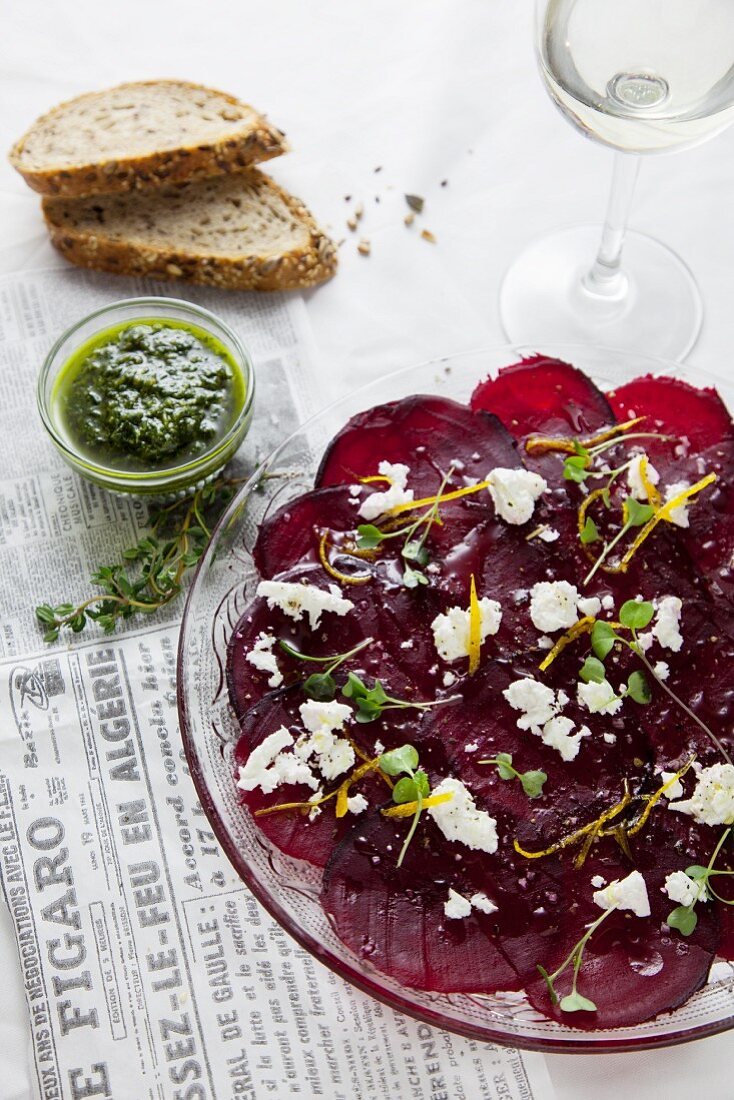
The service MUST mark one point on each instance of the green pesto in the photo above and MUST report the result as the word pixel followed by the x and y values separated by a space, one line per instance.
pixel 148 394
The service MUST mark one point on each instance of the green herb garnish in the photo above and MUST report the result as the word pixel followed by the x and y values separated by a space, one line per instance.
pixel 684 918
pixel 322 685
pixel 531 781
pixel 573 1001
pixel 371 702
pixel 151 572
pixel 412 787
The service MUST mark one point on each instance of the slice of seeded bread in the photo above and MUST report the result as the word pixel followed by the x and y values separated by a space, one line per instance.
pixel 140 136
pixel 239 231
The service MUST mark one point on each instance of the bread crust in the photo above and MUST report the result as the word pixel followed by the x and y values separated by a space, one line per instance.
pixel 299 268
pixel 259 141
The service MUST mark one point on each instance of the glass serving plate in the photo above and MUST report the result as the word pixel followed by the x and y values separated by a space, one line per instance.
pixel 225 584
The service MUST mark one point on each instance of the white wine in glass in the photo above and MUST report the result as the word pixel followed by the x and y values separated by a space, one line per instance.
pixel 641 76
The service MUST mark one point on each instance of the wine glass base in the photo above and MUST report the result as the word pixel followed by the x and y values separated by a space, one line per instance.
pixel 543 298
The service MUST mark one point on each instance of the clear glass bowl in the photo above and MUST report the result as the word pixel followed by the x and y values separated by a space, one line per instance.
pixel 160 481
pixel 224 585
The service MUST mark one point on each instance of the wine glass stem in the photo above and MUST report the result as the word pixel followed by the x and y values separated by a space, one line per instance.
pixel 606 278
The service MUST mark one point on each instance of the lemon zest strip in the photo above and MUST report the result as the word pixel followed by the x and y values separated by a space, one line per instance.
pixel 583 626
pixel 407 809
pixel 475 628
pixel 592 828
pixel 653 495
pixel 344 578
pixel 662 513
pixel 411 505
pixel 539 444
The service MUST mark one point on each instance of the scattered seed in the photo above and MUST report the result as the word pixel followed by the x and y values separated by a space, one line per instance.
pixel 352 224
pixel 409 219
pixel 415 202
pixel 378 169
pixel 444 183
pixel 428 236
pixel 377 198
pixel 358 211
pixel 347 198
pixel 364 248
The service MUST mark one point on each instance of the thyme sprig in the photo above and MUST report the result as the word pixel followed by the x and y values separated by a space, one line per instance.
pixel 151 572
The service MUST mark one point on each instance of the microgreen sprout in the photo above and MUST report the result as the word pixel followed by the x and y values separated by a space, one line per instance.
pixel 635 615
pixel 151 573
pixel 414 534
pixel 634 514
pixel 684 918
pixel 371 702
pixel 322 685
pixel 413 786
pixel 573 1001
pixel 531 781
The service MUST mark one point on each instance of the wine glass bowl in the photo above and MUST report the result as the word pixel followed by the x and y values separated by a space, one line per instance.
pixel 641 77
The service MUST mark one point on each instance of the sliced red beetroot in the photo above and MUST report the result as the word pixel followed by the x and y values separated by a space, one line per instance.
pixel 291 831
pixel 397 618
pixel 393 918
pixel 673 407
pixel 291 535
pixel 634 968
pixel 545 396
pixel 428 434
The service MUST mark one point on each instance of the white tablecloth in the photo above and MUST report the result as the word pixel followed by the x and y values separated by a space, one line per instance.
pixel 443 90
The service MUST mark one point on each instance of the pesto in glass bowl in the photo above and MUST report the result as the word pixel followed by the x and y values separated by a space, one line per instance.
pixel 148 395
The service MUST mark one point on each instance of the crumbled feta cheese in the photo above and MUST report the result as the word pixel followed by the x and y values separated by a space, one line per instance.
pixel 536 700
pixel 627 893
pixel 544 642
pixel 679 514
pixel 712 801
pixel 268 766
pixel 662 670
pixel 357 804
pixel 634 477
pixel 553 605
pixel 471 747
pixel 599 698
pixel 262 658
pixel 316 811
pixel 319 715
pixel 456 907
pixel 540 706
pixel 407 644
pixel 449 678
pixel 667 623
pixel 481 902
pixel 557 735
pixel 451 630
pixel 333 755
pixel 590 605
pixel 433 567
pixel 548 534
pixel 296 600
pixel 676 789
pixel 598 881
pixel 607 602
pixel 686 891
pixel 379 748
pixel 459 819
pixel 514 493
pixel 376 504
pixel 610 738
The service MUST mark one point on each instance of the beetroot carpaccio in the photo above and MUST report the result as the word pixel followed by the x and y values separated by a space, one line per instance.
pixel 486 687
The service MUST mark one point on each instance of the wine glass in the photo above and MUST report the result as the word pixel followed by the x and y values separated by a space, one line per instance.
pixel 642 76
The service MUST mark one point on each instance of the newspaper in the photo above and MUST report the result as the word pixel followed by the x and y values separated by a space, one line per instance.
pixel 150 972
